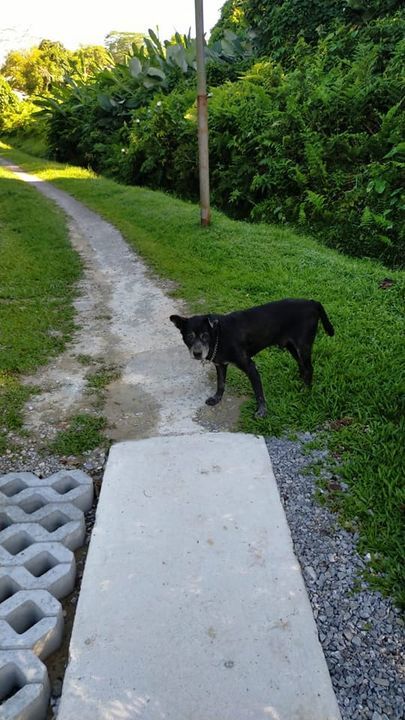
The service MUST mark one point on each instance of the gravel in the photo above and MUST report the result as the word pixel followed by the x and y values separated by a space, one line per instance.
pixel 361 632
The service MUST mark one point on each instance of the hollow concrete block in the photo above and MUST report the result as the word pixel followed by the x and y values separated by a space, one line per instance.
pixel 70 533
pixel 41 566
pixel 24 686
pixel 31 620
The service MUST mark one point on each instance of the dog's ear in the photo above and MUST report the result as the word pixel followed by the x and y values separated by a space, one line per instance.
pixel 212 321
pixel 178 321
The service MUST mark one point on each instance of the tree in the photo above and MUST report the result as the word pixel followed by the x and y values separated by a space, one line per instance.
pixel 232 18
pixel 8 100
pixel 14 68
pixel 90 59
pixel 119 44
pixel 34 71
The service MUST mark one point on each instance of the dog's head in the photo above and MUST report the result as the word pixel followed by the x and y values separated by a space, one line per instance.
pixel 198 333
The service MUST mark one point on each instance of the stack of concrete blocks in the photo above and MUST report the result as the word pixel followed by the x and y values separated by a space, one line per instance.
pixel 41 525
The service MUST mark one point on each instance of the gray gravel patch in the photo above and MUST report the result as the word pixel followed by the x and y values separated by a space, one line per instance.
pixel 361 632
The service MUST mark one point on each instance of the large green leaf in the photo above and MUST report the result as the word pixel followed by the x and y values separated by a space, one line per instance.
pixel 156 41
pixel 135 67
pixel 176 56
pixel 105 102
pixel 156 72
pixel 150 82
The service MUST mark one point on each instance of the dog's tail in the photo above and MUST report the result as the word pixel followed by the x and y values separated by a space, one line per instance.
pixel 325 320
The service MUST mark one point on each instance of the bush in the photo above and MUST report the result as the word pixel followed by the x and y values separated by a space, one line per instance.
pixel 19 122
pixel 8 102
pixel 317 144
pixel 89 120
pixel 278 24
pixel 163 149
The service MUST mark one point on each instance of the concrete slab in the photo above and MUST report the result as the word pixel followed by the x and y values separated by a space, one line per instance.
pixel 192 604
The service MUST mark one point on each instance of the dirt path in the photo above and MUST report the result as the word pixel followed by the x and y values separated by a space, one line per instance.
pixel 122 313
pixel 122 318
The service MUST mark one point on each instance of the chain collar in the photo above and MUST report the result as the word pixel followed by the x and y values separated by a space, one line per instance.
pixel 213 356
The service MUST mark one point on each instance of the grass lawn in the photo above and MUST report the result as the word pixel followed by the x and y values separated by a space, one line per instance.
pixel 38 269
pixel 359 374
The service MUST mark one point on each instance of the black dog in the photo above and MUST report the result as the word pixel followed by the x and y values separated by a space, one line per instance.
pixel 237 337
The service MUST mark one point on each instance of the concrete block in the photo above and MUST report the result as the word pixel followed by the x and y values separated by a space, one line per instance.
pixel 31 620
pixel 70 533
pixel 14 482
pixel 32 493
pixel 45 516
pixel 24 686
pixel 8 587
pixel 41 566
pixel 13 545
pixel 34 498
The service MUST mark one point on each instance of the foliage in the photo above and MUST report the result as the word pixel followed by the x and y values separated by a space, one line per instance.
pixel 89 120
pixel 121 44
pixel 33 71
pixel 36 71
pixel 88 60
pixel 317 144
pixel 8 101
pixel 314 139
pixel 172 119
pixel 358 385
pixel 278 24
pixel 232 18
pixel 18 119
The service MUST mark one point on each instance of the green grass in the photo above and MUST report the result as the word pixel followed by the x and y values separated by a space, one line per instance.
pixel 84 433
pixel 359 374
pixel 38 270
pixel 100 378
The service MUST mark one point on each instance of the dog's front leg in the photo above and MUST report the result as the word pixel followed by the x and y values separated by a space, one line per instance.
pixel 221 377
pixel 253 374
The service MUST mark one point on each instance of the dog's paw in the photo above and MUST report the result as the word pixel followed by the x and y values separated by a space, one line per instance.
pixel 214 400
pixel 261 412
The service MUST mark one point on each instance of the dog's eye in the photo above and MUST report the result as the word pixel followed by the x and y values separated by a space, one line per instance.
pixel 190 337
pixel 204 337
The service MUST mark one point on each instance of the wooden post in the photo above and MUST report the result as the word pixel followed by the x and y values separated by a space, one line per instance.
pixel 202 112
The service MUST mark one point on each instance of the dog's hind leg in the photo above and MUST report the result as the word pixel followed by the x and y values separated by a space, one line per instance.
pixel 306 369
pixel 221 378
pixel 303 358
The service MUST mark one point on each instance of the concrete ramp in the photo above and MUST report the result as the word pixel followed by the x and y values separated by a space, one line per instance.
pixel 192 604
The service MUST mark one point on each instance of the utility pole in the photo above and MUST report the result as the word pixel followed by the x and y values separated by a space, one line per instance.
pixel 202 113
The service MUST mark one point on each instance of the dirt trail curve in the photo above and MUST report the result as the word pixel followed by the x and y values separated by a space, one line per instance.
pixel 122 318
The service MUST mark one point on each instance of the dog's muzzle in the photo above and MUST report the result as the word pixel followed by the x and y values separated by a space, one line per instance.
pixel 199 351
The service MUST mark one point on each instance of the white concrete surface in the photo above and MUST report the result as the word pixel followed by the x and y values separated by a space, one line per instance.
pixel 192 604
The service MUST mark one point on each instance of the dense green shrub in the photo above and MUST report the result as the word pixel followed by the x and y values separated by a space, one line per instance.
pixel 232 18
pixel 277 24
pixel 314 139
pixel 8 102
pixel 18 120
pixel 162 150
pixel 88 120
pixel 317 145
